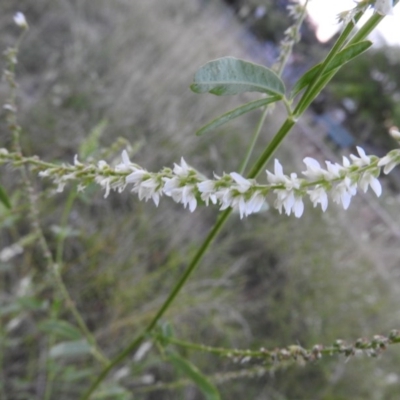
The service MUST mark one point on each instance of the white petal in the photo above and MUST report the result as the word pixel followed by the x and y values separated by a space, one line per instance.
pixel 346 198
pixel 125 158
pixel 298 207
pixel 376 186
pixel 278 169
pixel 312 163
pixel 242 182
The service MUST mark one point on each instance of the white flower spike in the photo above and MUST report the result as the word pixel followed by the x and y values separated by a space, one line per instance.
pixel 185 185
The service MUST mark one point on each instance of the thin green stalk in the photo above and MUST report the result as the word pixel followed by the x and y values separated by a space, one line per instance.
pixel 254 139
pixel 312 90
pixel 294 352
pixel 3 340
pixel 289 41
pixel 320 82
pixel 64 220
pixel 271 148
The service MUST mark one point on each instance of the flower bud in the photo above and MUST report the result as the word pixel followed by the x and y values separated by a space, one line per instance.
pixel 20 20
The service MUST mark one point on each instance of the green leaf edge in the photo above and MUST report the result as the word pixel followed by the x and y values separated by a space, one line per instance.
pixel 237 112
pixel 191 371
pixel 195 86
pixel 60 328
pixel 340 59
pixel 58 350
pixel 4 198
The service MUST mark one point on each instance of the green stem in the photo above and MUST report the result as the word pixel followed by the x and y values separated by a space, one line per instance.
pixel 64 219
pixel 294 352
pixel 270 149
pixel 320 82
pixel 313 90
pixel 254 140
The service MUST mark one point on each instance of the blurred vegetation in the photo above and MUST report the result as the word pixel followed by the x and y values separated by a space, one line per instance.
pixel 372 84
pixel 93 72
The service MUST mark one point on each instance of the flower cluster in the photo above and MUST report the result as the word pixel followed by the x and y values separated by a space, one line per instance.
pixel 185 185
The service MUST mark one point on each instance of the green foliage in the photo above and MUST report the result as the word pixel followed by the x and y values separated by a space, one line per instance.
pixel 228 76
pixel 71 349
pixel 192 372
pixel 4 198
pixel 338 61
pixel 245 108
pixel 372 83
pixel 60 328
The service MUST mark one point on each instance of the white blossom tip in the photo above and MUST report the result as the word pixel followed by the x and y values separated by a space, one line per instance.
pixel 20 20
pixel 394 133
pixel 384 7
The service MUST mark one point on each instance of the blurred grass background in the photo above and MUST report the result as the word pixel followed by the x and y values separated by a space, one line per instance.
pixel 124 68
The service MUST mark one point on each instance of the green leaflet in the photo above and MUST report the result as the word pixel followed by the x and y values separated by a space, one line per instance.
pixel 227 76
pixel 4 198
pixel 340 59
pixel 75 349
pixel 192 372
pixel 60 328
pixel 245 108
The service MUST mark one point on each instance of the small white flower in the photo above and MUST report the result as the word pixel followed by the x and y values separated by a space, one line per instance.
pixel 255 203
pixel 290 201
pixel 207 189
pixel 184 195
pixel 125 165
pixel 225 198
pixel 384 7
pixel 333 170
pixel 394 133
pixel 105 182
pixel 247 207
pixel 278 176
pixel 102 165
pixel 20 20
pixel 182 170
pixel 368 179
pixel 391 160
pixel 318 195
pixel 170 184
pixel 150 188
pixel 137 176
pixel 243 185
pixel 361 161
pixel 314 170
pixel 343 192
pixel 77 163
